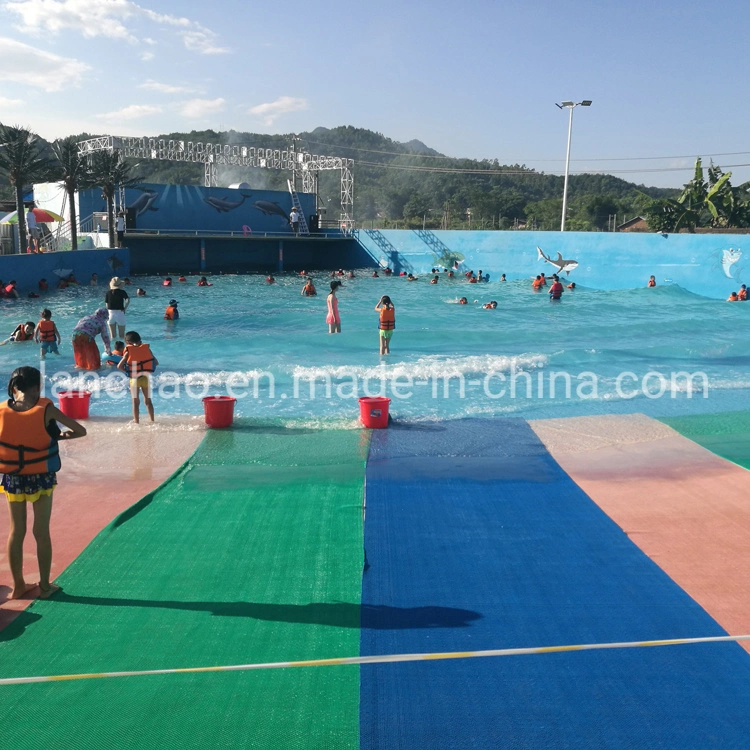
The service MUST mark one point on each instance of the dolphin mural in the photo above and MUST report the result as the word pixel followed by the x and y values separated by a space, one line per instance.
pixel 559 263
pixel 114 262
pixel 144 202
pixel 271 209
pixel 728 259
pixel 222 205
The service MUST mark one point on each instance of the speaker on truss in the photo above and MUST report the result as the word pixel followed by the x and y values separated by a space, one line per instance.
pixel 314 223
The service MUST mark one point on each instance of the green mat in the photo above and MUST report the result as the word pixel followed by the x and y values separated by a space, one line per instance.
pixel 252 552
pixel 726 434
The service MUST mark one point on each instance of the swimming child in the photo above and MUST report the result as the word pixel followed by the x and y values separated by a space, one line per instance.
pixel 375 275
pixel 556 290
pixel 140 292
pixel 181 278
pixel 270 279
pixel 411 277
pixel 22 332
pixel 502 278
pixel 142 363
pixel 742 294
pixel 203 281
pixel 309 290
pixel 112 360
pixel 387 324
pixel 29 474
pixel 167 281
pixel 46 334
pixel 537 284
pixel 434 280
pixel 572 285
pixel 652 281
pixel 333 318
pixel 733 297
pixel 172 313
pixel 490 305
pixel 463 301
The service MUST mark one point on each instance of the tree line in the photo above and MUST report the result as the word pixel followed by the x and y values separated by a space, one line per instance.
pixel 396 184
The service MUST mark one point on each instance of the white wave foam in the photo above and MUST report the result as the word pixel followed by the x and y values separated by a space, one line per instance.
pixel 427 368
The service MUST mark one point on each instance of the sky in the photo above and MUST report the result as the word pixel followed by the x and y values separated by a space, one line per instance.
pixel 475 79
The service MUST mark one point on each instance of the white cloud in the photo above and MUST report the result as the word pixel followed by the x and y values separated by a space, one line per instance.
pixel 27 65
pixel 270 111
pixel 10 103
pixel 146 56
pixel 203 42
pixel 133 112
pixel 201 107
pixel 113 19
pixel 163 88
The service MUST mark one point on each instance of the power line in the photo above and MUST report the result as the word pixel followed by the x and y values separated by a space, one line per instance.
pixel 526 172
pixel 597 159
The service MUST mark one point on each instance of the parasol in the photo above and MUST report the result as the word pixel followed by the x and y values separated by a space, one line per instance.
pixel 41 214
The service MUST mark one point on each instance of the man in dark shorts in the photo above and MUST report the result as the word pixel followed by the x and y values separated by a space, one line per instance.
pixel 117 302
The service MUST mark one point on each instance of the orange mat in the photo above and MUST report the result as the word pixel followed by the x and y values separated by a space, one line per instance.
pixel 103 474
pixel 686 508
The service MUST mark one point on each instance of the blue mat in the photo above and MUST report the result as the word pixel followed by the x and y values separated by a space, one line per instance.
pixel 476 539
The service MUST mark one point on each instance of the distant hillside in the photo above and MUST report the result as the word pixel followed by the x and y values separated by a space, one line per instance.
pixel 412 184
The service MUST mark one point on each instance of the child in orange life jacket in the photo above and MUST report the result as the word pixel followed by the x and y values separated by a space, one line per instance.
pixel 118 352
pixel 46 334
pixel 22 332
pixel 172 313
pixel 29 475
pixel 387 323
pixel 142 363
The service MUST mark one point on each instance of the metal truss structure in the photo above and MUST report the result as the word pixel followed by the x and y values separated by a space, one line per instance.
pixel 299 163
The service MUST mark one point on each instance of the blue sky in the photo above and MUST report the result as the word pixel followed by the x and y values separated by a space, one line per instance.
pixel 474 79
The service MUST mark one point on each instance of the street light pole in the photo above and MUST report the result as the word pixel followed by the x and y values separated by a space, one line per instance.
pixel 569 106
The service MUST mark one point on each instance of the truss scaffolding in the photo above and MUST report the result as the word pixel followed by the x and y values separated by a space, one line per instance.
pixel 300 163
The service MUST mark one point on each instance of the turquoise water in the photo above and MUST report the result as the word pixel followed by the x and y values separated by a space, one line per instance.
pixel 241 328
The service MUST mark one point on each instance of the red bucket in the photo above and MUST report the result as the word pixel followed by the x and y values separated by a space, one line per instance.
pixel 75 404
pixel 219 410
pixel 373 411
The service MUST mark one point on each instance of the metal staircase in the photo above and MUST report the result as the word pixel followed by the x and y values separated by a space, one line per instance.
pixel 303 228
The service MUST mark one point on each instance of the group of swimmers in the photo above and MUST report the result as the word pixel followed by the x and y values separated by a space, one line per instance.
pixel 740 296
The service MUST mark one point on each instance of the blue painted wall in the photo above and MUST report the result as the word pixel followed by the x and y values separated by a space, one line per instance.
pixel 28 269
pixel 190 207
pixel 712 265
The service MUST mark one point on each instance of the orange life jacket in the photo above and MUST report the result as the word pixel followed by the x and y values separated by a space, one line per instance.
pixel 140 359
pixel 170 313
pixel 742 294
pixel 537 284
pixel 46 330
pixel 21 335
pixel 25 445
pixel 387 319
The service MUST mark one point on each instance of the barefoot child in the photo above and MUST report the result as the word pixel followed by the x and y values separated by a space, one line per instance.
pixel 333 318
pixel 29 474
pixel 387 323
pixel 46 334
pixel 142 363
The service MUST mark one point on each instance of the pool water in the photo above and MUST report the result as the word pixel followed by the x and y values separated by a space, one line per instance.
pixel 241 328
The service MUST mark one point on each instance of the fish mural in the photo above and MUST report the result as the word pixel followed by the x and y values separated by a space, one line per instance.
pixel 222 205
pixel 559 263
pixel 271 209
pixel 144 202
pixel 728 259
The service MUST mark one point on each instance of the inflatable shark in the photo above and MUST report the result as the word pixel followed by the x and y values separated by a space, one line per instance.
pixel 559 263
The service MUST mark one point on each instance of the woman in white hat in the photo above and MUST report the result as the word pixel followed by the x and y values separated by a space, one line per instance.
pixel 117 302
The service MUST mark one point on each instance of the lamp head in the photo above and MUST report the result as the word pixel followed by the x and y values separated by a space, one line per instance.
pixel 586 103
pixel 567 104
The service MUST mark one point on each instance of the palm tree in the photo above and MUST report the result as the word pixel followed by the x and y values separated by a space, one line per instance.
pixel 109 170
pixel 73 170
pixel 23 161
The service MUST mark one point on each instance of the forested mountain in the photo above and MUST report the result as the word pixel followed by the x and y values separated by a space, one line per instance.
pixel 411 184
